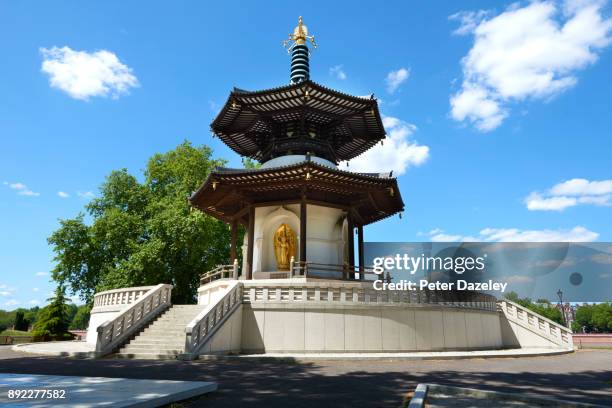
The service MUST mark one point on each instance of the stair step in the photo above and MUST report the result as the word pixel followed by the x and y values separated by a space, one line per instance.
pixel 147 356
pixel 147 349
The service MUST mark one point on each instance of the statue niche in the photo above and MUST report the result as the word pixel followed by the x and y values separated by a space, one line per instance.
pixel 284 246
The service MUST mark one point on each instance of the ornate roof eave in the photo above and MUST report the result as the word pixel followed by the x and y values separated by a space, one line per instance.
pixel 222 181
pixel 246 109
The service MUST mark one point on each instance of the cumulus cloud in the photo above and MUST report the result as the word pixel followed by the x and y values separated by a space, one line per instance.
pixel 576 234
pixel 34 302
pixel 83 75
pixel 468 20
pixel 395 78
pixel 11 302
pixel 398 152
pixel 21 189
pixel 62 194
pixel 530 52
pixel 86 194
pixel 338 72
pixel 42 273
pixel 571 193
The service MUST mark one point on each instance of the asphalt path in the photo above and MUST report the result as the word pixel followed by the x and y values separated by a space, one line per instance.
pixel 583 376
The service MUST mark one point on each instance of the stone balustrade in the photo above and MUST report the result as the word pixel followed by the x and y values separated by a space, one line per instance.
pixel 555 333
pixel 147 307
pixel 359 293
pixel 119 297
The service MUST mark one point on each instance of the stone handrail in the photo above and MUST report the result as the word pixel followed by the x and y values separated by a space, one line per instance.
pixel 122 296
pixel 116 331
pixel 347 294
pixel 552 331
pixel 221 272
pixel 204 325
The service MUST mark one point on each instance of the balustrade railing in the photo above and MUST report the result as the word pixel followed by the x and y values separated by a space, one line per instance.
pixel 332 271
pixel 114 332
pixel 221 272
pixel 550 330
pixel 123 296
pixel 312 292
pixel 203 326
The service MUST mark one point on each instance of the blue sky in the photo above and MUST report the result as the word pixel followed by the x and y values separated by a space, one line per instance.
pixel 498 113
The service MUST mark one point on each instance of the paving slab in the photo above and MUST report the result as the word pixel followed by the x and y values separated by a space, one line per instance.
pixel 80 349
pixel 37 391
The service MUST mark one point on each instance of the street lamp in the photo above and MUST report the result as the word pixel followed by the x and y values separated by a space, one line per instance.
pixel 560 294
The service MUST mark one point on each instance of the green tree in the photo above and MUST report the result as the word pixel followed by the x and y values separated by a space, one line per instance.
pixel 20 322
pixel 53 321
pixel 81 318
pixel 542 307
pixel 144 233
pixel 31 315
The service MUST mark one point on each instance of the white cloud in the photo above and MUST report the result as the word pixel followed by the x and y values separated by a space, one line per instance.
pixel 468 20
pixel 82 74
pixel 35 289
pixel 571 193
pixel 519 279
pixel 338 72
pixel 34 302
pixel 86 194
pixel 11 302
pixel 62 194
pixel 395 78
pixel 21 189
pixel 576 234
pixel 397 153
pixel 525 52
pixel 42 273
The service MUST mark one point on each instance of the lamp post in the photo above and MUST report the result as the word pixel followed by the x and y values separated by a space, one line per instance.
pixel 560 294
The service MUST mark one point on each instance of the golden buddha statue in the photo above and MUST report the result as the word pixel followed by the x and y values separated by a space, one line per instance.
pixel 284 246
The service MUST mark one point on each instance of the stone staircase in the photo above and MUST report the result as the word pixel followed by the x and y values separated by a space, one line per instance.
pixel 164 338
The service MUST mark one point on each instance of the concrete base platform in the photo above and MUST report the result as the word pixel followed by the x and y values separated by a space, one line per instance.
pixel 86 392
pixel 428 355
pixel 80 349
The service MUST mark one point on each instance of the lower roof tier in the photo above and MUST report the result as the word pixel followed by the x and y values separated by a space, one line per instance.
pixel 227 194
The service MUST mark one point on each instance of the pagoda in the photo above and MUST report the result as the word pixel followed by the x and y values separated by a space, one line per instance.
pixel 299 209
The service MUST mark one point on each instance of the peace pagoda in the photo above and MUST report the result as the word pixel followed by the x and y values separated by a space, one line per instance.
pixel 298 208
pixel 299 289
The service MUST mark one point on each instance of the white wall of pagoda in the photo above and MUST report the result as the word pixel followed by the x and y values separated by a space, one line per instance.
pixel 325 235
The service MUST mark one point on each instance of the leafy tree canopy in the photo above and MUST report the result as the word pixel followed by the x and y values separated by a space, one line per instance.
pixel 143 233
pixel 54 319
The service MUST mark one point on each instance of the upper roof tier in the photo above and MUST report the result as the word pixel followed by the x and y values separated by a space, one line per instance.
pixel 302 118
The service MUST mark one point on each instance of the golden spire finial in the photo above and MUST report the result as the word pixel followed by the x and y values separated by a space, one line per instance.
pixel 299 36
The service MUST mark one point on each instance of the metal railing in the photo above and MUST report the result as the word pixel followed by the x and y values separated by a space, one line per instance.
pixel 123 296
pixel 221 272
pixel 203 326
pixel 113 333
pixel 333 271
pixel 554 332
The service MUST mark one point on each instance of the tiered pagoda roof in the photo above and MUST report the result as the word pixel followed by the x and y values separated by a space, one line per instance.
pixel 227 193
pixel 302 118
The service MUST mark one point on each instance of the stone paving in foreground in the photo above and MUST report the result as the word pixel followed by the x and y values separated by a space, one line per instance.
pixel 33 391
pixel 583 376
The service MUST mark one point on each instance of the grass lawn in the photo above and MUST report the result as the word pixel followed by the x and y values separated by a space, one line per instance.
pixel 15 333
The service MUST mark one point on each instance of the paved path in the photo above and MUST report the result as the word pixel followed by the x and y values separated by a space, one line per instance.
pixel 93 392
pixel 584 376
